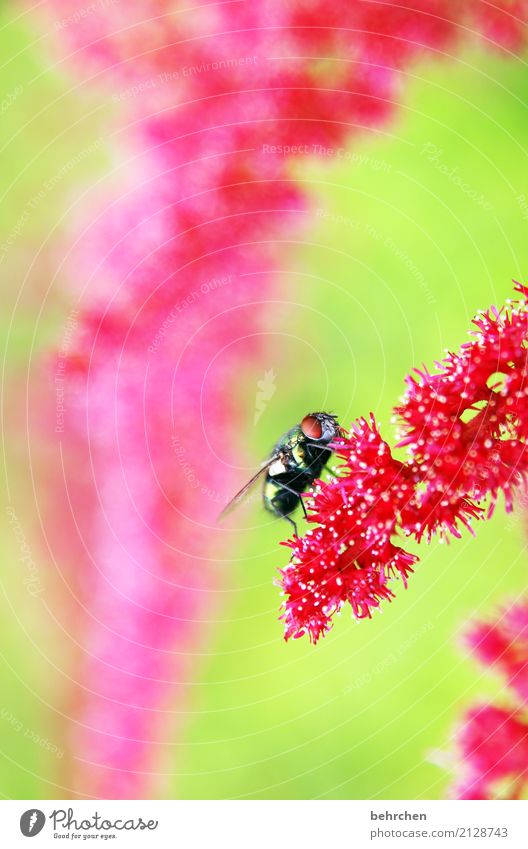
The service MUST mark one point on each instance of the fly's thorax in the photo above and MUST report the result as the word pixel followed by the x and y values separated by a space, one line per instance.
pixel 290 453
pixel 296 448
pixel 298 452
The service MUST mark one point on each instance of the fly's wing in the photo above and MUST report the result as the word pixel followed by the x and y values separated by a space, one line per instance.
pixel 246 489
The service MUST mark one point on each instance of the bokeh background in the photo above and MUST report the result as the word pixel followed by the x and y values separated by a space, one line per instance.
pixel 408 232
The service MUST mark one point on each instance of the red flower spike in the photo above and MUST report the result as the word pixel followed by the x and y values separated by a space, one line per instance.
pixel 465 426
pixel 465 429
pixel 350 557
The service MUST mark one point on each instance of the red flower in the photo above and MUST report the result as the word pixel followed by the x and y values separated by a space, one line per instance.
pixel 494 748
pixel 464 428
pixel 493 742
pixel 351 556
pixel 504 643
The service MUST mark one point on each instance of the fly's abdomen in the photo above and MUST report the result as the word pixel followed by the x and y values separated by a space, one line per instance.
pixel 277 499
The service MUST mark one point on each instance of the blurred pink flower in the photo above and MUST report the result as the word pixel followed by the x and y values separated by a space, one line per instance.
pixel 493 741
pixel 504 645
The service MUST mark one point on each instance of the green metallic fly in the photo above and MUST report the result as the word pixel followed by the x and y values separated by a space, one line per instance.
pixel 296 461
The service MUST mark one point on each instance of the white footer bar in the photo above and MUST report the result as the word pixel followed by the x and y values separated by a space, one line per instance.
pixel 265 824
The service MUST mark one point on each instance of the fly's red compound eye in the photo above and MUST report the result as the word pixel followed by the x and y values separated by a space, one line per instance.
pixel 311 427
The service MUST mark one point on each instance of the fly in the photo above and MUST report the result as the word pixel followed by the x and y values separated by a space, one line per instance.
pixel 296 461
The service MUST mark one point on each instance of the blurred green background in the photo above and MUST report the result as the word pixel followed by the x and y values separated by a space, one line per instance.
pixel 408 234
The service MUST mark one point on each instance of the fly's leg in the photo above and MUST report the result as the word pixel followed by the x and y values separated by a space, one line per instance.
pixel 326 467
pixel 294 528
pixel 285 515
